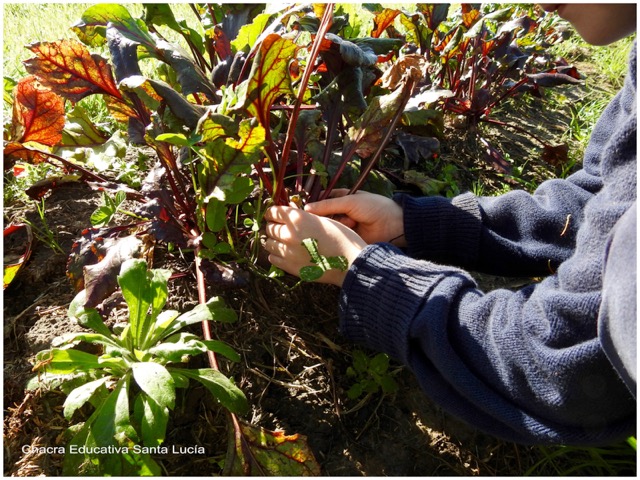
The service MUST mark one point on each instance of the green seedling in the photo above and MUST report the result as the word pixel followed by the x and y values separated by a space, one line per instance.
pixel 370 374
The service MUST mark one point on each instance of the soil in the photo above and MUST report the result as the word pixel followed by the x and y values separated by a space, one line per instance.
pixel 293 368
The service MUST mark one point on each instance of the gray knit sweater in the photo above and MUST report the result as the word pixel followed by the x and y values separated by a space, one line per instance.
pixel 551 363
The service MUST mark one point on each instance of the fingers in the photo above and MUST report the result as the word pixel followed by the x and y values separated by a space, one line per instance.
pixel 332 206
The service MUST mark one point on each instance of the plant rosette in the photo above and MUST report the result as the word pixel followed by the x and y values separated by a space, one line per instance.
pixel 132 383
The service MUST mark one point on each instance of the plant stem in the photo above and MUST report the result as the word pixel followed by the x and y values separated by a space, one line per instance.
pixel 326 22
pixel 202 298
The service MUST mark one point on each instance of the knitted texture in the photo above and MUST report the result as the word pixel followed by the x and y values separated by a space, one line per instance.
pixel 527 366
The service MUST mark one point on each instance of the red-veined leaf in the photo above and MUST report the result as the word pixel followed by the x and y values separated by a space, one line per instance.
pixel 266 453
pixel 434 14
pixel 383 20
pixel 470 15
pixel 17 250
pixel 38 113
pixel 70 70
pixel 269 76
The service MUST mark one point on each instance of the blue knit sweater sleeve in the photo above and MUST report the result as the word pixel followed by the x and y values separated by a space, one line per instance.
pixel 528 366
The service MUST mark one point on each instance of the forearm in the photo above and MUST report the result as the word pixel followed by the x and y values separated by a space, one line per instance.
pixel 514 364
pixel 513 234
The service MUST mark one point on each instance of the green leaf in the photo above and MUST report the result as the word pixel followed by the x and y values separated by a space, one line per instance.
pixel 102 216
pixel 153 420
pixel 250 32
pixel 9 85
pixel 92 27
pixel 80 395
pixel 155 381
pixel 228 158
pixel 74 338
pixel 87 317
pixel 66 361
pixel 311 273
pixel 151 92
pixel 177 139
pixel 223 349
pixel 134 282
pixel 112 416
pixel 223 389
pixel 79 129
pixel 178 345
pixel 216 215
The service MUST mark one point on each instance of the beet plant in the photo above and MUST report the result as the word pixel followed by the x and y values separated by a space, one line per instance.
pixel 271 105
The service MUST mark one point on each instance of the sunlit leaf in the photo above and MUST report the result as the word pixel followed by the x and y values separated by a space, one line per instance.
pixel 154 380
pixel 38 113
pixel 269 77
pixel 382 20
pixel 260 452
pixel 70 70
pixel 80 130
pixel 91 29
pixel 80 395
pixel 223 389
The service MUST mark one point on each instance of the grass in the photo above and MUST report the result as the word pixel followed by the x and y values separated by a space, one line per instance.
pixel 27 23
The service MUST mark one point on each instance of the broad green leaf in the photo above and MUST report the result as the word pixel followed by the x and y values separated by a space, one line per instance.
pixel 250 32
pixel 311 273
pixel 214 310
pixel 154 380
pixel 97 338
pixel 160 14
pixel 65 361
pixel 228 159
pixel 223 349
pixel 137 292
pixel 176 346
pixel 215 215
pixel 152 418
pixel 269 78
pixel 177 139
pixel 91 29
pixel 80 395
pixel 152 92
pixel 266 453
pixel 163 320
pixel 214 125
pixel 223 389
pixel 112 416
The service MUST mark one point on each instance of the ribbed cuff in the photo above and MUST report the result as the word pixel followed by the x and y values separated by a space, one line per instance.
pixel 380 296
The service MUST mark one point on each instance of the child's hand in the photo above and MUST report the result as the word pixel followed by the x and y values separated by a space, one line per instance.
pixel 373 217
pixel 287 227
